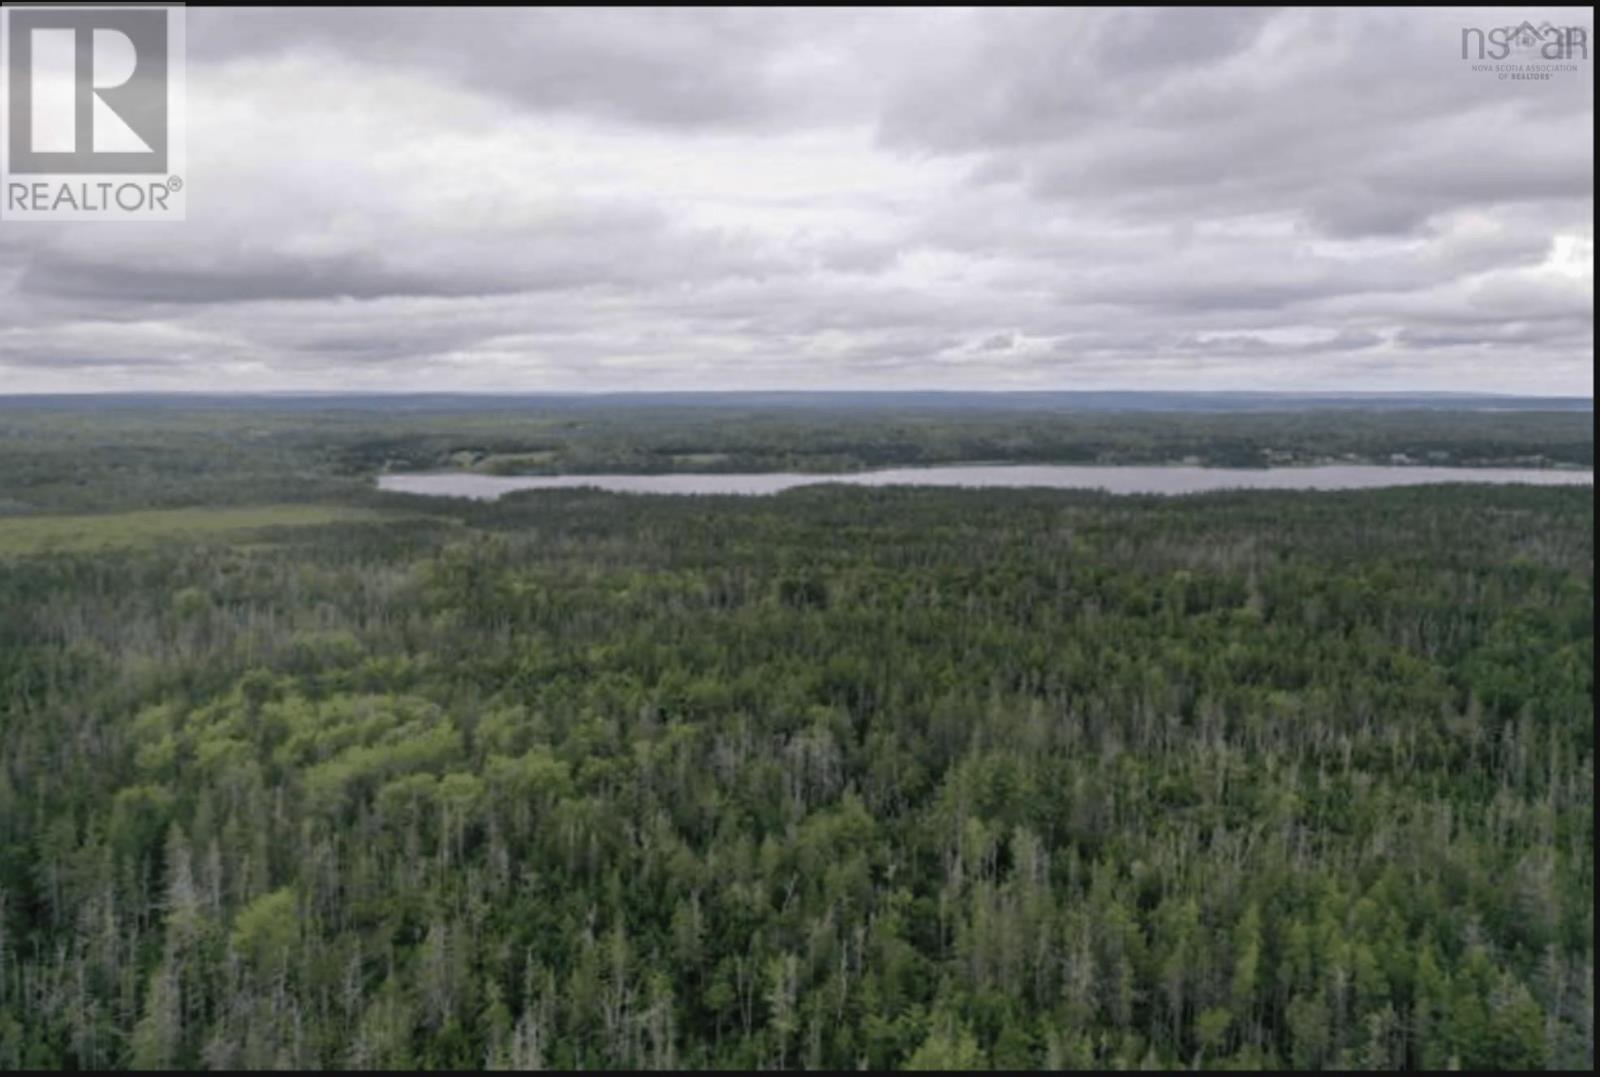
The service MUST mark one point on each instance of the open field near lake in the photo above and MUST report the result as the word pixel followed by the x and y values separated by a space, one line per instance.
pixel 86 531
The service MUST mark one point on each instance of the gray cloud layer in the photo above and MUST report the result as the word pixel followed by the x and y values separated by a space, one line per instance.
pixel 574 199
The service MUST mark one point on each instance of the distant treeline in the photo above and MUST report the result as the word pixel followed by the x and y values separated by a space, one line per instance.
pixel 880 401
pixel 117 454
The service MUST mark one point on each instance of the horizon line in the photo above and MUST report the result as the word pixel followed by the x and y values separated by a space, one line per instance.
pixel 1467 393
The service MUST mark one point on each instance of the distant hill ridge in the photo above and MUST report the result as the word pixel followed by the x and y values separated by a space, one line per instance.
pixel 1046 401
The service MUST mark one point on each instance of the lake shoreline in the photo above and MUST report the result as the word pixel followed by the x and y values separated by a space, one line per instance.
pixel 1160 479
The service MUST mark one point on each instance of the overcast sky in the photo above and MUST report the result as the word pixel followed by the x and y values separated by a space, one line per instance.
pixel 587 200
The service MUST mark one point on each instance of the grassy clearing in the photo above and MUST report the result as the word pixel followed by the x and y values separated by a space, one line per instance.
pixel 22 535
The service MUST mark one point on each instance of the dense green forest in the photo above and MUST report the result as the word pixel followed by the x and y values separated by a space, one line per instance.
pixel 840 777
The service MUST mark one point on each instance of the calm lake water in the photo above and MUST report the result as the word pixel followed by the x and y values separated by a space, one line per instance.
pixel 1117 480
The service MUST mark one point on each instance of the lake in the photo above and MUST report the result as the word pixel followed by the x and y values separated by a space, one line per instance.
pixel 1116 480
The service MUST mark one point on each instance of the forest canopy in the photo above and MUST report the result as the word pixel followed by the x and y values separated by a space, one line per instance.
pixel 885 777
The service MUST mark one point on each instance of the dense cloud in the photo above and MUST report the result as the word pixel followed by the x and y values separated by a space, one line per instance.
pixel 574 199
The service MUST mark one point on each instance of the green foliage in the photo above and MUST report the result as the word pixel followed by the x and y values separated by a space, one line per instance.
pixel 903 778
pixel 947 1049
pixel 266 929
